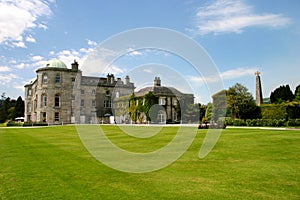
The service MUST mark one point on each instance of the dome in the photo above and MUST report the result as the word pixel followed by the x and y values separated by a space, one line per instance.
pixel 56 64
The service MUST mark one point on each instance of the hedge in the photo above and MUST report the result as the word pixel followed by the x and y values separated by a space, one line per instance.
pixel 12 123
pixel 35 124
pixel 287 110
pixel 263 122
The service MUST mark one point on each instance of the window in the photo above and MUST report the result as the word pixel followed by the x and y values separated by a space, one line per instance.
pixel 82 92
pixel 57 78
pixel 29 107
pixel 94 91
pixel 44 117
pixel 162 101
pixel 144 100
pixel 162 116
pixel 93 103
pixel 175 102
pixel 82 102
pixel 44 100
pixel 107 93
pixel 56 116
pixel 45 79
pixel 107 103
pixel 174 116
pixel 73 97
pixel 29 92
pixel 56 100
pixel 34 104
pixel 73 80
pixel 117 94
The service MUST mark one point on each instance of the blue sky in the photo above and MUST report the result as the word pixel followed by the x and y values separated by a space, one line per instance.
pixel 240 36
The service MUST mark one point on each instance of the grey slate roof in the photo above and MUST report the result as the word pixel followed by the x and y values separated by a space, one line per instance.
pixel 160 91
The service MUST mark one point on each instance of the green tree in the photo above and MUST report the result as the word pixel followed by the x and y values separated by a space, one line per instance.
pixel 297 93
pixel 282 94
pixel 19 108
pixel 202 111
pixel 150 100
pixel 4 109
pixel 209 112
pixel 241 102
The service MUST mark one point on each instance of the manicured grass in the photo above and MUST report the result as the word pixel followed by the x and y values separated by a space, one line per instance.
pixel 52 163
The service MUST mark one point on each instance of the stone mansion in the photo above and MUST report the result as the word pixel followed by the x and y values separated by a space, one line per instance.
pixel 62 95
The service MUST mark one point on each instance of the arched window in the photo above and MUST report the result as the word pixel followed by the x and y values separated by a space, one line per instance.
pixel 29 92
pixel 57 78
pixel 45 78
pixel 161 116
pixel 57 100
pixel 44 100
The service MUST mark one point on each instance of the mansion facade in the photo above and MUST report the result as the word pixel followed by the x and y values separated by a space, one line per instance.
pixel 61 95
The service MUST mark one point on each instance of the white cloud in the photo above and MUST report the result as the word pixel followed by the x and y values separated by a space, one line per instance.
pixel 97 62
pixel 20 66
pixel 43 26
pixel 37 58
pixel 148 71
pixel 91 43
pixel 7 78
pixel 230 74
pixel 133 52
pixel 4 69
pixel 30 39
pixel 224 16
pixel 18 17
pixel 19 86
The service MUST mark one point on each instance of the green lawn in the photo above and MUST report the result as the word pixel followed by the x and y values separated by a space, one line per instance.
pixel 52 163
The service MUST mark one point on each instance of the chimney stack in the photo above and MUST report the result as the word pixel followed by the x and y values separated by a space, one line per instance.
pixel 157 81
pixel 75 65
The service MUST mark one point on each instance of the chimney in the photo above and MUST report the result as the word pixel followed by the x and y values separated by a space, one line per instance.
pixel 127 80
pixel 157 81
pixel 75 65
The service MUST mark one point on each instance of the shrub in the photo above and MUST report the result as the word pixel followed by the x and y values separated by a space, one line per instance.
pixel 12 123
pixel 273 111
pixel 35 124
pixel 239 122
pixel 293 122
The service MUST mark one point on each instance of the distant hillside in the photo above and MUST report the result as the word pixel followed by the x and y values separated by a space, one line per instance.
pixel 266 100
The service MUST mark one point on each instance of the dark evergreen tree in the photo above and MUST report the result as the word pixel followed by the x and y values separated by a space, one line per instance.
pixel 282 94
pixel 297 93
pixel 19 108
pixel 4 114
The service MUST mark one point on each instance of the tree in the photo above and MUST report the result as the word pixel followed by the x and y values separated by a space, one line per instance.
pixel 282 94
pixel 208 112
pixel 241 102
pixel 5 105
pixel 19 108
pixel 297 93
pixel 150 100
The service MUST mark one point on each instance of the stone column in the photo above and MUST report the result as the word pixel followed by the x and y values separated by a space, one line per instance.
pixel 259 98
